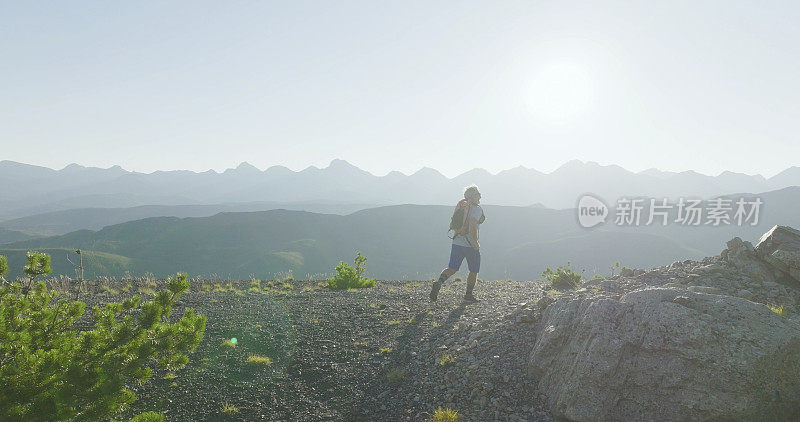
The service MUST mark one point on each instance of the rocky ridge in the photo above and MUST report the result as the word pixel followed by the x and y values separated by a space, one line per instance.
pixel 715 339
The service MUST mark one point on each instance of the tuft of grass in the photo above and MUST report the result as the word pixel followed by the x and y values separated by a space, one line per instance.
pixel 396 376
pixel 445 415
pixel 229 408
pixel 386 350
pixel 394 322
pixel 259 360
pixel 445 359
pixel 435 324
pixel 170 376
pixel 228 343
pixel 109 290
pixel 146 291
pixel 554 292
pixel 778 309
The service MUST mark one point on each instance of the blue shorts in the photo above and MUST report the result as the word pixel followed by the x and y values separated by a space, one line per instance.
pixel 457 255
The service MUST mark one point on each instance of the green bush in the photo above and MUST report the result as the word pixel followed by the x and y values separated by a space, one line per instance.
pixel 348 277
pixel 562 277
pixel 3 267
pixel 51 371
pixel 148 417
pixel 38 263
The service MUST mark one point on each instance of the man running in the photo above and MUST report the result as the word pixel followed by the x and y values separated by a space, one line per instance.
pixel 465 246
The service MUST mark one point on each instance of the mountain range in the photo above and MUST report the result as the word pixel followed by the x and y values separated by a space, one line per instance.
pixel 245 221
pixel 30 190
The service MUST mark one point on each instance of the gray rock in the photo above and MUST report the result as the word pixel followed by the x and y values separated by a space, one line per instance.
pixel 667 354
pixel 780 247
pixel 745 294
pixel 705 289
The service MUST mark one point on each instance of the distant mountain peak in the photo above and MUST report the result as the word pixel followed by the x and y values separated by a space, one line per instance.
pixel 338 162
pixel 476 172
pixel 73 167
pixel 427 172
pixel 570 165
pixel 342 166
pixel 244 165
pixel 244 168
pixel 277 168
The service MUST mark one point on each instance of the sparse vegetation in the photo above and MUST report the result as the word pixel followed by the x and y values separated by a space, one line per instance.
pixel 396 376
pixel 445 415
pixel 618 268
pixel 229 408
pixel 348 277
pixel 259 360
pixel 445 359
pixel 778 309
pixel 562 277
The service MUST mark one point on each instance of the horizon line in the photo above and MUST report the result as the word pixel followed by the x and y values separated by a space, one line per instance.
pixel 340 161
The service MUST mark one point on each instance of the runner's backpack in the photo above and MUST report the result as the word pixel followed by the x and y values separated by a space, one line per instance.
pixel 458 222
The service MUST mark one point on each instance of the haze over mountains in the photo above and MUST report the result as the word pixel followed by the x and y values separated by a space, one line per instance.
pixel 30 190
pixel 401 241
pixel 245 221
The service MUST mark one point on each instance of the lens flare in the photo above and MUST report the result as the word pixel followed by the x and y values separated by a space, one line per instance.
pixel 233 340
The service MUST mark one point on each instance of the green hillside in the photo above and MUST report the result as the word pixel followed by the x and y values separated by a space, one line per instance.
pixel 95 263
pixel 401 242
pixel 8 235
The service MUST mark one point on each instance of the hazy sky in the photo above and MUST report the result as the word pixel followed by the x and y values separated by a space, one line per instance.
pixel 399 85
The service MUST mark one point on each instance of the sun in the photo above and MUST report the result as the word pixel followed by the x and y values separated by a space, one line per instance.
pixel 560 93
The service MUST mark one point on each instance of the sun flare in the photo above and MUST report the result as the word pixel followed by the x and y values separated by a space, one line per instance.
pixel 561 92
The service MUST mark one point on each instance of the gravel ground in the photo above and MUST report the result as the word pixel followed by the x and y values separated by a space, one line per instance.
pixel 383 353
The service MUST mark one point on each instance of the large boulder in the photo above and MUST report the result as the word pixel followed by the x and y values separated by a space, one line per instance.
pixel 742 256
pixel 667 354
pixel 781 248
